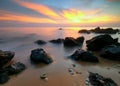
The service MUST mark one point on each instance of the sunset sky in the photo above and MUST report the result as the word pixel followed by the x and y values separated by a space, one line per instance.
pixel 59 13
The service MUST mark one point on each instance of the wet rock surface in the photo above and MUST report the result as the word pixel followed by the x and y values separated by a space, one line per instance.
pixel 40 42
pixel 70 41
pixel 99 42
pixel 82 55
pixel 57 41
pixel 5 57
pixel 10 70
pixel 98 80
pixel 111 52
pixel 39 55
pixel 99 30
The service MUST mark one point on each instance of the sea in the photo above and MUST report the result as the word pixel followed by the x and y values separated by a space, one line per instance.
pixel 21 41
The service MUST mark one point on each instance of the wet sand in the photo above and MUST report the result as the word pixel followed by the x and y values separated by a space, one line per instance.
pixel 58 74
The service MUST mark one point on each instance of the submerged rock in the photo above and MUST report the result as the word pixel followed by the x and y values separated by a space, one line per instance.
pixel 39 55
pixel 40 42
pixel 70 41
pixel 98 80
pixel 5 57
pixel 82 55
pixel 57 41
pixel 111 52
pixel 99 42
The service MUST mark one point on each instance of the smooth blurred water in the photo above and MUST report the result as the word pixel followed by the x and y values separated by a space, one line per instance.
pixel 21 41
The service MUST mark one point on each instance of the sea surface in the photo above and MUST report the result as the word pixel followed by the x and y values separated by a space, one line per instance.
pixel 21 41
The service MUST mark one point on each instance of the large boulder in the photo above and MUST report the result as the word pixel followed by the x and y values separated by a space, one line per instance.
pixel 99 42
pixel 10 70
pixel 57 41
pixel 39 55
pixel 5 57
pixel 82 55
pixel 98 80
pixel 111 52
pixel 40 42
pixel 70 41
pixel 106 30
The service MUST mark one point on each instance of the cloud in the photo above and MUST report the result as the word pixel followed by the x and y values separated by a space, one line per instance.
pixel 9 16
pixel 113 0
pixel 42 9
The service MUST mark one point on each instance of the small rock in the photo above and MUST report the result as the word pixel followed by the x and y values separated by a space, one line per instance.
pixel 43 76
pixel 73 65
pixel 71 71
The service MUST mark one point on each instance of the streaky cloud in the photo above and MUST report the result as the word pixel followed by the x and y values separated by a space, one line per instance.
pixel 42 9
pixel 9 16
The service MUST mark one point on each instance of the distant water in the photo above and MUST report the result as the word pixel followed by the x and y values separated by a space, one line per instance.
pixel 21 41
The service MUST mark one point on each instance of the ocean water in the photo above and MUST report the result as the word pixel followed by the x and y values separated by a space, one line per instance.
pixel 21 41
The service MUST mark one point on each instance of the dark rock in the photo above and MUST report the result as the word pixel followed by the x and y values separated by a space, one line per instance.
pixel 60 28
pixel 99 42
pixel 3 78
pixel 111 52
pixel 40 42
pixel 105 31
pixel 15 68
pixel 57 41
pixel 98 80
pixel 80 39
pixel 39 55
pixel 10 70
pixel 70 41
pixel 5 57
pixel 82 55
pixel 84 31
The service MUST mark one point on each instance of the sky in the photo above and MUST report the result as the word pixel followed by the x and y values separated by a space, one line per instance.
pixel 59 13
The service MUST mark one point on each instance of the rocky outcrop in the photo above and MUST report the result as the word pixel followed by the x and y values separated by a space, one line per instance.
pixel 70 41
pixel 82 55
pixel 99 42
pixel 40 42
pixel 57 41
pixel 10 70
pixel 98 80
pixel 39 55
pixel 100 31
pixel 111 52
pixel 5 57
pixel 84 31
pixel 105 31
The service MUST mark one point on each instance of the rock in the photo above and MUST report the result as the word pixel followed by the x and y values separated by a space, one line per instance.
pixel 60 28
pixel 43 76
pixel 71 71
pixel 82 55
pixel 57 41
pixel 39 55
pixel 105 31
pixel 5 57
pixel 98 80
pixel 111 52
pixel 10 70
pixel 70 41
pixel 40 42
pixel 3 78
pixel 84 31
pixel 99 42
pixel 15 68
pixel 80 39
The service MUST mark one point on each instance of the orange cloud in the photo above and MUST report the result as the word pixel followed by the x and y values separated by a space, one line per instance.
pixel 42 9
pixel 9 16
